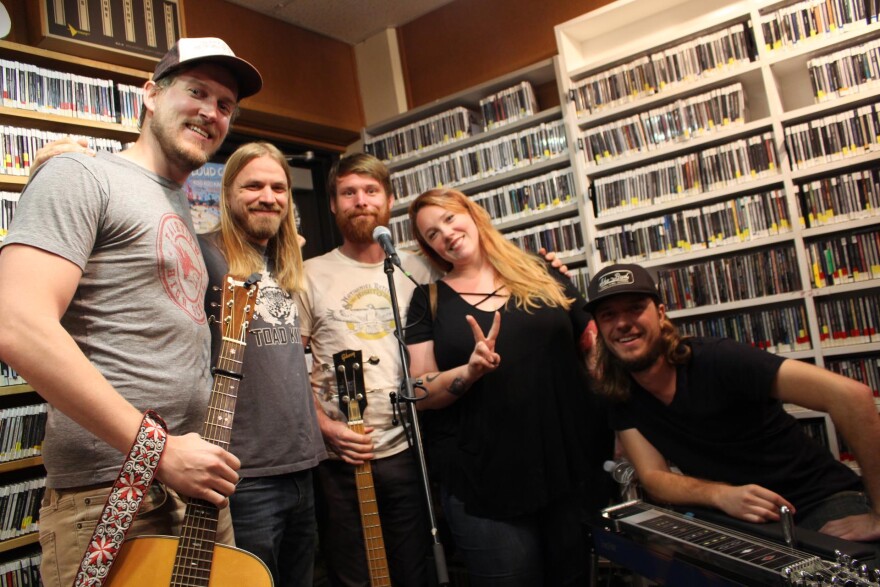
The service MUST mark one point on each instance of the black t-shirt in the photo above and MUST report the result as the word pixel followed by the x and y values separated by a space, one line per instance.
pixel 525 434
pixel 723 425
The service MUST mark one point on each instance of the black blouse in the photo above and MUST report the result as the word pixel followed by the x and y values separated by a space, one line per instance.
pixel 518 439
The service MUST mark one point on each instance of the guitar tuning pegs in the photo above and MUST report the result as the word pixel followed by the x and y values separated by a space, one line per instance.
pixel 340 368
pixel 374 360
pixel 211 318
pixel 356 366
pixel 215 288
pixel 215 305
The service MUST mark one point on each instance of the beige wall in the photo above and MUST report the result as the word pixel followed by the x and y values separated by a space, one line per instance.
pixel 380 76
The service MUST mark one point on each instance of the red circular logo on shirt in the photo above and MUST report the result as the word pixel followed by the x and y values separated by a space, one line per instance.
pixel 181 267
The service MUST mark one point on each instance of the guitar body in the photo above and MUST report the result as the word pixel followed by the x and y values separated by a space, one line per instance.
pixel 149 560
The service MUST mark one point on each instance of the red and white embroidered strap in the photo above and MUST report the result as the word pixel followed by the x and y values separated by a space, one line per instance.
pixel 125 499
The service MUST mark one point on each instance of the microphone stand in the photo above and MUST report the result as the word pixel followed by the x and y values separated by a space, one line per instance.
pixel 408 396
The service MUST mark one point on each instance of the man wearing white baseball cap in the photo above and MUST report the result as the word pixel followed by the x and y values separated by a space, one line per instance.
pixel 101 290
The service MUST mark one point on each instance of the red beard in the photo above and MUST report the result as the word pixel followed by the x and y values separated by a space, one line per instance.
pixel 357 226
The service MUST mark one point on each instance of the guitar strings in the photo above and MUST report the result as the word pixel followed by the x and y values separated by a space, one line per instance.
pixel 373 539
pixel 198 534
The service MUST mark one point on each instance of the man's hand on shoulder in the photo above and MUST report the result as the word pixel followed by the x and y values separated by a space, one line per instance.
pixel 863 527
pixel 65 145
pixel 554 261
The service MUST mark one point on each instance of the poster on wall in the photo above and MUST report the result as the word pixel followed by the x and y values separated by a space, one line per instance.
pixel 137 32
pixel 203 192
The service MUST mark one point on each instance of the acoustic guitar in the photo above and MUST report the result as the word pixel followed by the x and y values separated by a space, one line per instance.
pixel 353 401
pixel 193 559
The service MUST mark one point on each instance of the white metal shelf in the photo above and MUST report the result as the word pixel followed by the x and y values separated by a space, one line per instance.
pixel 434 152
pixel 671 150
pixel 652 210
pixel 485 183
pixel 718 251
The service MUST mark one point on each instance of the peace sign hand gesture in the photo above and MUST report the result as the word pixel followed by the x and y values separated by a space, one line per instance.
pixel 484 359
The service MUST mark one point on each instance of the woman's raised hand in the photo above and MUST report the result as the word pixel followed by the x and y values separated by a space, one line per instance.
pixel 484 359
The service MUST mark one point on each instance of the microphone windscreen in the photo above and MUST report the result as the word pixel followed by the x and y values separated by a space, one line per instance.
pixel 381 231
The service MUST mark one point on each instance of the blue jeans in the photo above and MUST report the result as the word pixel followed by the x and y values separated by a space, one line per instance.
pixel 274 519
pixel 839 505
pixel 546 548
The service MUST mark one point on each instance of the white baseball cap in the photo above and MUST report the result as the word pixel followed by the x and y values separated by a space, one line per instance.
pixel 194 50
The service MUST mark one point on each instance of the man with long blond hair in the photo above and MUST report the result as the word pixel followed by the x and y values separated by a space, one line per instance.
pixel 275 431
pixel 714 408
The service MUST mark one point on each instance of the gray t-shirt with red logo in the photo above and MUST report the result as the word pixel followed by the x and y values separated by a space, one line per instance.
pixel 137 313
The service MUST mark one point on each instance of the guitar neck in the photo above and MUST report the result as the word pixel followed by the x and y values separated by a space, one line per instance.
pixel 195 549
pixel 373 540
pixel 192 566
pixel 221 410
pixel 348 365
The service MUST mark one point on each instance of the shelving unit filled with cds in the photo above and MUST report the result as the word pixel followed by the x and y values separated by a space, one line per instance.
pixel 731 147
pixel 44 96
pixel 504 144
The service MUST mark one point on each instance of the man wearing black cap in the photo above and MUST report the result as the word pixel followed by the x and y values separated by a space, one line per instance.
pixel 101 290
pixel 714 408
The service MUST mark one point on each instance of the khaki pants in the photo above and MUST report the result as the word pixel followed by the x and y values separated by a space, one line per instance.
pixel 68 518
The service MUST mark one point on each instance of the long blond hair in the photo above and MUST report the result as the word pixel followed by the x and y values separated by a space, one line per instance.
pixel 284 248
pixel 525 276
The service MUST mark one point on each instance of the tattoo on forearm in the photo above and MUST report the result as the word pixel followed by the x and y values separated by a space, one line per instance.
pixel 431 377
pixel 457 387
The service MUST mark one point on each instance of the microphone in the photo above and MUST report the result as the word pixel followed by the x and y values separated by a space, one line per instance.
pixel 382 235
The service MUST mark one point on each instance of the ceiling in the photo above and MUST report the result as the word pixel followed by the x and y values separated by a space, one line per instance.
pixel 350 21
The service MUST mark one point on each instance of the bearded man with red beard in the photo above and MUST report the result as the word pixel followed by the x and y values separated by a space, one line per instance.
pixel 346 304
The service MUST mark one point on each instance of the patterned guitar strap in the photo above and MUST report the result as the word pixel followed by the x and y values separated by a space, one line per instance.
pixel 125 499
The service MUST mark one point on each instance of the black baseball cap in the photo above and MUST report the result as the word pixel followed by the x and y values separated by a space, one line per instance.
pixel 619 279
pixel 195 50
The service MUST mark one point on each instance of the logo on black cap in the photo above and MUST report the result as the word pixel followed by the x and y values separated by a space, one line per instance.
pixel 616 278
